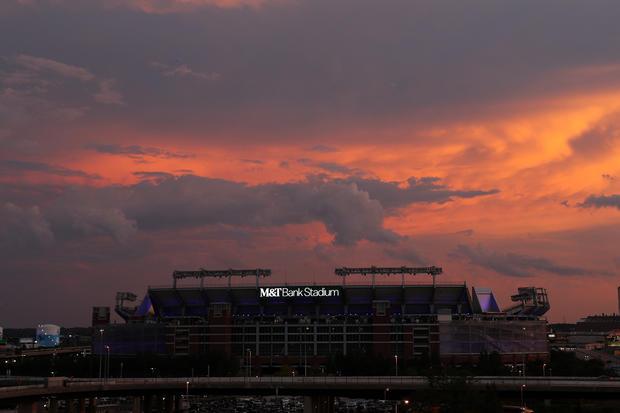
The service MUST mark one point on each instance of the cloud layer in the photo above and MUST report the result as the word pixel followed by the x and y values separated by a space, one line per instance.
pixel 348 211
pixel 300 135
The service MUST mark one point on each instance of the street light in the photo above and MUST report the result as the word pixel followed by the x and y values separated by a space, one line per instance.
pixel 522 403
pixel 306 352
pixel 524 350
pixel 187 388
pixel 396 362
pixel 107 363
pixel 544 366
pixel 249 367
pixel 100 350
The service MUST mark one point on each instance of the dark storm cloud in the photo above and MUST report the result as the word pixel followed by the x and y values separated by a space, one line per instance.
pixel 335 167
pixel 347 213
pixel 153 175
pixel 27 195
pixel 347 210
pixel 426 189
pixel 516 265
pixel 134 150
pixel 23 228
pixel 369 60
pixel 9 165
pixel 601 201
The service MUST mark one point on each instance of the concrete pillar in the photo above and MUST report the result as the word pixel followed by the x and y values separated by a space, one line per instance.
pixel 137 404
pixel 178 405
pixel 92 404
pixel 308 406
pixel 169 405
pixel 319 404
pixel 148 403
pixel 159 405
pixel 28 407
pixel 70 406
pixel 81 405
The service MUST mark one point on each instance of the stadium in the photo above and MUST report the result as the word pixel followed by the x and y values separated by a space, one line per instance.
pixel 267 326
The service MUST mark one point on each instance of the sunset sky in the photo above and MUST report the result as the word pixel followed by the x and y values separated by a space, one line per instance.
pixel 142 136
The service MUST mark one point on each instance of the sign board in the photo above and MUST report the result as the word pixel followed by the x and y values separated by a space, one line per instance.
pixel 304 292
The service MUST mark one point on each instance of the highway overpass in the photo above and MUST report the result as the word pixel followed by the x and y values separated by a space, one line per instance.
pixel 316 389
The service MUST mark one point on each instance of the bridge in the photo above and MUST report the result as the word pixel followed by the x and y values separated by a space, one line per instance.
pixel 43 351
pixel 165 394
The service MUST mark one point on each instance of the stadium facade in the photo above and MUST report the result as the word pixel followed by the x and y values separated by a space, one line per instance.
pixel 304 324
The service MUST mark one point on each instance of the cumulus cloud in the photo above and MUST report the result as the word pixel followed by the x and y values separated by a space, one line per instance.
pixel 15 165
pixel 97 221
pixel 40 64
pixel 162 202
pixel 601 201
pixel 347 213
pixel 38 89
pixel 426 189
pixel 108 94
pixel 333 167
pixel 184 71
pixel 23 227
pixel 155 175
pixel 71 221
pixel 514 264
pixel 134 150
pixel 336 167
pixel 21 107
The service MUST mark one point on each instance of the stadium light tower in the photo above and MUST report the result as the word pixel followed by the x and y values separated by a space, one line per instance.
pixel 346 271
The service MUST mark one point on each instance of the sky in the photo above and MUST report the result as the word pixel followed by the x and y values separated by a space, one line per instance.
pixel 138 137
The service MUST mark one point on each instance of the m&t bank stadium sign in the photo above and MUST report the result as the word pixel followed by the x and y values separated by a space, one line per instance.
pixel 290 292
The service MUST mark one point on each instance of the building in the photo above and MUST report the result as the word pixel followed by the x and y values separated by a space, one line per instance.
pixel 302 324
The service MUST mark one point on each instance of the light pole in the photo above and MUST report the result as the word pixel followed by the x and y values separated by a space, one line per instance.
pixel 396 362
pixel 100 350
pixel 249 369
pixel 186 389
pixel 107 363
pixel 525 349
pixel 544 366
pixel 306 352
pixel 522 403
